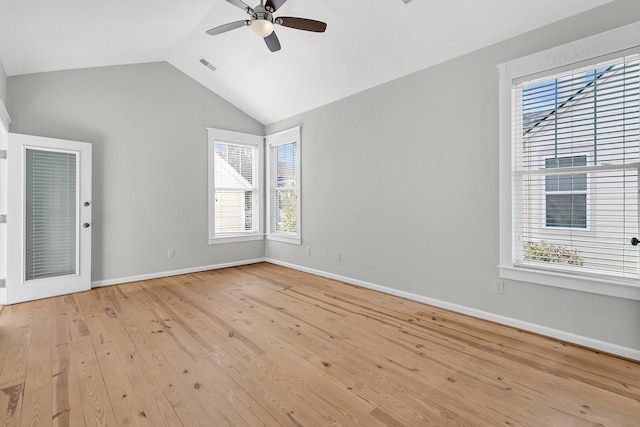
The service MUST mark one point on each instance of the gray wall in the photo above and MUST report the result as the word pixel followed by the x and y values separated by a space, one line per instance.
pixel 3 84
pixel 402 180
pixel 147 124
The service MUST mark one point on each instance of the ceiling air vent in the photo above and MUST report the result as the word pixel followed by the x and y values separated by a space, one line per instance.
pixel 207 64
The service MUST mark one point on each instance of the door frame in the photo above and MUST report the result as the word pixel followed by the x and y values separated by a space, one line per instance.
pixel 4 134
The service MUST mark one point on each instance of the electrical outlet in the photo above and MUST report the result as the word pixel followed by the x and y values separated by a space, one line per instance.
pixel 308 250
pixel 498 286
pixel 171 253
pixel 338 256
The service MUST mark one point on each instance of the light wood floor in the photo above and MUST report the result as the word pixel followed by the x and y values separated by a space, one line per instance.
pixel 265 345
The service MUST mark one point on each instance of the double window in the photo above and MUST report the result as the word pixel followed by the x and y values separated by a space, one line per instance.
pixel 236 191
pixel 570 157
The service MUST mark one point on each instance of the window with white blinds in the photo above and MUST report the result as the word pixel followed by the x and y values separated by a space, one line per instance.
pixel 235 186
pixel 51 211
pixel 574 167
pixel 283 168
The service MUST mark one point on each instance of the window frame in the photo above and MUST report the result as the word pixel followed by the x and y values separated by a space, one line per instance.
pixel 235 138
pixel 274 140
pixel 590 50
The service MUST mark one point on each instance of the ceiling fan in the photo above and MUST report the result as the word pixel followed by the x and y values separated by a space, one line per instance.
pixel 262 21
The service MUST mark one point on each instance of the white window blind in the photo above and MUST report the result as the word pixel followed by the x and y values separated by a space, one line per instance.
pixel 284 190
pixel 575 162
pixel 284 185
pixel 236 188
pixel 51 212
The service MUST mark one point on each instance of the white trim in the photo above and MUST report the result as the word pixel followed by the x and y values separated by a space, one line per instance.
pixel 285 136
pixel 594 285
pixel 599 45
pixel 121 280
pixel 592 343
pixel 232 137
pixel 4 136
pixel 284 239
pixel 235 238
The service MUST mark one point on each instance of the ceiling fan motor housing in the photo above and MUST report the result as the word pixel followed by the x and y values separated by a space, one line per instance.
pixel 261 12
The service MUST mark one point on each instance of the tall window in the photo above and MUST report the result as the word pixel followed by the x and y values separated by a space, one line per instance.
pixel 283 163
pixel 234 186
pixel 572 173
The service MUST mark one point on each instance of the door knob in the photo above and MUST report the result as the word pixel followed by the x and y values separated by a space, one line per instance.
pixel 635 241
pixel 86 225
pixel 86 204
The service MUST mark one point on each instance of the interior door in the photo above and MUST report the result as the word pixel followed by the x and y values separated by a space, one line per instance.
pixel 48 217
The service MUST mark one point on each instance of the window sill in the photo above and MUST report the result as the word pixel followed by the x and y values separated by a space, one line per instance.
pixel 627 289
pixel 285 239
pixel 235 239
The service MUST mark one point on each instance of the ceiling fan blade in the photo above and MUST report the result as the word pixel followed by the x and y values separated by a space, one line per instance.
pixel 274 4
pixel 242 5
pixel 227 27
pixel 301 24
pixel 272 42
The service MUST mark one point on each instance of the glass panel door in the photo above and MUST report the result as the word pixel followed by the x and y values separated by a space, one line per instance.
pixel 49 217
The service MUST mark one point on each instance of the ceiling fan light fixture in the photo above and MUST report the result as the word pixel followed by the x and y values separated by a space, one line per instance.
pixel 262 27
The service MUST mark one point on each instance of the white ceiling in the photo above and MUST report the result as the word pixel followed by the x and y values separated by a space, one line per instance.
pixel 367 43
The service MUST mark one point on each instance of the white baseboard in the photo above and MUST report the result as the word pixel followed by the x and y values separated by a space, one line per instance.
pixel 3 295
pixel 604 346
pixel 138 278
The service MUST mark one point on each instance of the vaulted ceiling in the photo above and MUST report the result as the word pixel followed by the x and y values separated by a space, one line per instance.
pixel 367 43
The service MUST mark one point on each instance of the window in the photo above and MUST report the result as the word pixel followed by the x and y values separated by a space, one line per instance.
pixel 283 174
pixel 234 186
pixel 569 165
pixel 566 195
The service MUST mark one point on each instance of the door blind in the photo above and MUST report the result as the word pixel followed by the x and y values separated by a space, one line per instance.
pixel 51 214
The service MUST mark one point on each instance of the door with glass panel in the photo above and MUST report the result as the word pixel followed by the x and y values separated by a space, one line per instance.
pixel 48 217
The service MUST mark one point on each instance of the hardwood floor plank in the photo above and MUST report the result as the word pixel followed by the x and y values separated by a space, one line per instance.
pixel 111 352
pixel 66 387
pixel 7 326
pixel 266 345
pixel 14 370
pixel 97 407
pixel 9 395
pixel 37 402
